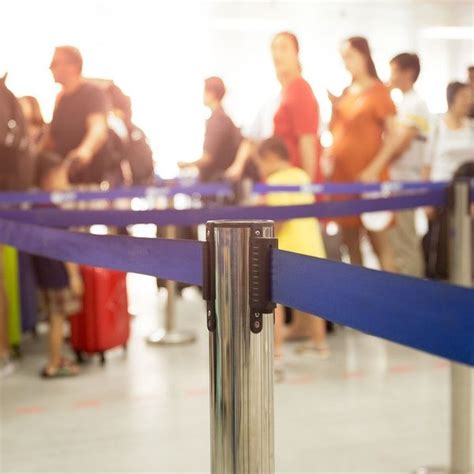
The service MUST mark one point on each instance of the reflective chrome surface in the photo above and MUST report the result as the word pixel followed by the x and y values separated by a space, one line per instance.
pixel 169 335
pixel 461 375
pixel 241 364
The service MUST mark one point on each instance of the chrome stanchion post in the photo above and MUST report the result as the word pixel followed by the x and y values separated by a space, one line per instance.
pixel 460 246
pixel 460 273
pixel 239 318
pixel 169 335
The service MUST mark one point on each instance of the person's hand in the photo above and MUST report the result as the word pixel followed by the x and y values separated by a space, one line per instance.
pixel 332 98
pixel 430 212
pixel 327 164
pixel 369 175
pixel 80 156
pixel 234 173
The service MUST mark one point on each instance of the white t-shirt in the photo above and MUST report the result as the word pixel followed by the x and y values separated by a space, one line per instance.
pixel 262 126
pixel 412 112
pixel 449 149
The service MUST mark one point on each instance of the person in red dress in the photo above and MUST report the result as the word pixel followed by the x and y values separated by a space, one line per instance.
pixel 296 120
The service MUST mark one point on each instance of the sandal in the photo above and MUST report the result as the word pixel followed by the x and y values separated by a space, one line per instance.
pixel 59 372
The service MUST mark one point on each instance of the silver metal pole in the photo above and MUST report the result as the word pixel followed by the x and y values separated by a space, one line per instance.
pixel 169 335
pixel 460 272
pixel 241 361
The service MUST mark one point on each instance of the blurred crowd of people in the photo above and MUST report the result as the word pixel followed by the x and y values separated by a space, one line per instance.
pixel 92 139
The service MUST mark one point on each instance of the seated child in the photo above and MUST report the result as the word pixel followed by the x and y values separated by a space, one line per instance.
pixel 60 283
pixel 297 235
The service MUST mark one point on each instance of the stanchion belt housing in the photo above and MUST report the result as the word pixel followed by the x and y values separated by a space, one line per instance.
pixel 260 291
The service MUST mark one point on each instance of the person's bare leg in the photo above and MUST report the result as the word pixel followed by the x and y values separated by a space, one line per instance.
pixel 381 244
pixel 318 332
pixel 55 341
pixel 351 238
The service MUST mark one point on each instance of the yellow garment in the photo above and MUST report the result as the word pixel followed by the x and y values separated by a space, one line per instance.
pixel 297 235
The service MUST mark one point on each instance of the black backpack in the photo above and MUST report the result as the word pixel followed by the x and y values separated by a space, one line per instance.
pixel 435 241
pixel 16 162
pixel 136 150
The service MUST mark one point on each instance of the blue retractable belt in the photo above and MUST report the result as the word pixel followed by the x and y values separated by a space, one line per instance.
pixel 429 316
pixel 179 260
pixel 64 218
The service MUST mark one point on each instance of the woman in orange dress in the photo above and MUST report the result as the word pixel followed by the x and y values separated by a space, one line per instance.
pixel 362 125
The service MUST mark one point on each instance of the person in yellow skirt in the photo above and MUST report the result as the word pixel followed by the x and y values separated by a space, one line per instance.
pixel 301 236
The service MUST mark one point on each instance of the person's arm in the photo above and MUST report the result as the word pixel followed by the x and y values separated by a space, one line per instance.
pixel 389 146
pixel 204 161
pixel 307 150
pixel 244 154
pixel 94 139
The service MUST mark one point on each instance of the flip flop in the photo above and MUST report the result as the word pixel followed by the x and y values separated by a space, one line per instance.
pixel 60 372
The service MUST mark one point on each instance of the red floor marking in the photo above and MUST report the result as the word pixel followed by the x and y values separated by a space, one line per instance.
pixel 30 410
pixel 196 392
pixel 87 404
pixel 354 375
pixel 441 364
pixel 401 369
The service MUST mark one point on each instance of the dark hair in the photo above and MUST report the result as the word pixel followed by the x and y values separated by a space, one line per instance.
pixel 292 37
pixel 466 170
pixel 216 86
pixel 36 115
pixel 361 44
pixel 274 145
pixel 470 69
pixel 452 91
pixel 408 62
pixel 74 56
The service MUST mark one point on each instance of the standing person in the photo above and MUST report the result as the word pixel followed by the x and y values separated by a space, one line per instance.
pixel 60 283
pixel 451 153
pixel 78 130
pixel 413 120
pixel 296 235
pixel 363 126
pixel 222 138
pixel 470 79
pixel 296 121
pixel 296 113
pixel 35 123
pixel 451 141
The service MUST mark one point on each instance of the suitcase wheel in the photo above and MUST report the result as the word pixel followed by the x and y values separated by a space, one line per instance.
pixel 125 347
pixel 102 358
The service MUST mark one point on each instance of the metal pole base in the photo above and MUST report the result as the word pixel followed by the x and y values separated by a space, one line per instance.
pixel 169 338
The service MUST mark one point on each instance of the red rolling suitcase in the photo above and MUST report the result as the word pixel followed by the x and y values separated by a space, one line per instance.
pixel 104 322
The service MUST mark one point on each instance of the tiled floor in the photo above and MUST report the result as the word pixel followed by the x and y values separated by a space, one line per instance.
pixel 372 407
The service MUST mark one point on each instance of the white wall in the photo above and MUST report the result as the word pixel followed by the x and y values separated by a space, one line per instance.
pixel 160 51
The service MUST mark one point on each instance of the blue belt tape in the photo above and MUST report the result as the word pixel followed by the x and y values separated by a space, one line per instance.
pixel 34 197
pixel 353 188
pixel 179 260
pixel 64 218
pixel 211 189
pixel 429 316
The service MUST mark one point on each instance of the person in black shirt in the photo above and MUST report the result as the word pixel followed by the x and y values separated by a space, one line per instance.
pixel 78 130
pixel 222 137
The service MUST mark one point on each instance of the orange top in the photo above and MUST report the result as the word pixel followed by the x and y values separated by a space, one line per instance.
pixel 357 127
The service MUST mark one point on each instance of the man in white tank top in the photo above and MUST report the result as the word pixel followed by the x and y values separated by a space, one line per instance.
pixel 407 162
